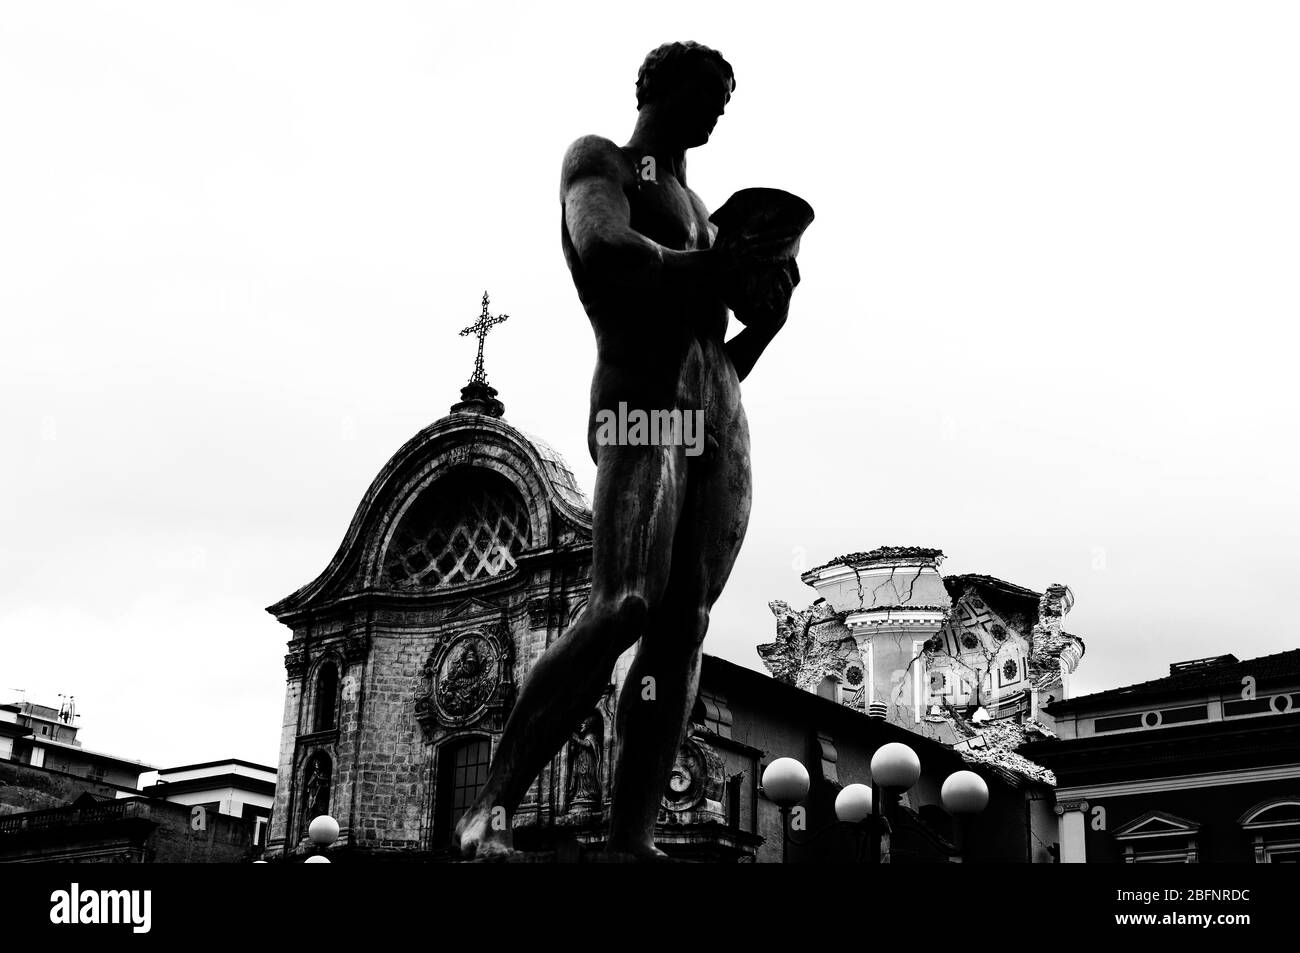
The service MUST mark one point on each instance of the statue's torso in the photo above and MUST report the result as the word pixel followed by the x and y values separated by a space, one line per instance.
pixel 659 348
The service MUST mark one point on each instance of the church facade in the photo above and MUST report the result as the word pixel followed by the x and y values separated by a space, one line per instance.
pixel 469 554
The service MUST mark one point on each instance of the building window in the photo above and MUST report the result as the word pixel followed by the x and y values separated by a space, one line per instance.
pixel 1273 827
pixel 327 690
pixel 462 772
pixel 468 527
pixel 1158 837
pixel 1133 856
pixel 733 800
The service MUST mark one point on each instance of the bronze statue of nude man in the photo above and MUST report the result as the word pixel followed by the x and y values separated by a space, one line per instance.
pixel 667 525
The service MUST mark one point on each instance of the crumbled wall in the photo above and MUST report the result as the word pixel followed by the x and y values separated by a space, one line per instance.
pixel 810 644
pixel 981 660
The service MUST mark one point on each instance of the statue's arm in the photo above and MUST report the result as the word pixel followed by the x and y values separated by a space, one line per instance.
pixel 747 347
pixel 599 219
pixel 767 319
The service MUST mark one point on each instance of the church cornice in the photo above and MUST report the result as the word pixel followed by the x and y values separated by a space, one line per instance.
pixel 454 597
pixel 483 440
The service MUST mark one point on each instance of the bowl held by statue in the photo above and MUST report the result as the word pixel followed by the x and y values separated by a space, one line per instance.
pixel 758 292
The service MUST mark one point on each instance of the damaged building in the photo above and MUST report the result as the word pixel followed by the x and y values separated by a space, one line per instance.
pixel 970 662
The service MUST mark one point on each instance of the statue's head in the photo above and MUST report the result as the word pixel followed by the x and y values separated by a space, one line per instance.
pixel 689 84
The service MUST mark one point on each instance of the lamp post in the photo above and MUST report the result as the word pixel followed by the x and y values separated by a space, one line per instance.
pixel 964 794
pixel 895 768
pixel 785 782
pixel 855 804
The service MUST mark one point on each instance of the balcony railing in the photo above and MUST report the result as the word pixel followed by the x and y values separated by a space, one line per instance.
pixel 72 816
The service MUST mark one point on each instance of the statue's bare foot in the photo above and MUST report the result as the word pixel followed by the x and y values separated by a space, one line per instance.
pixel 477 837
pixel 643 851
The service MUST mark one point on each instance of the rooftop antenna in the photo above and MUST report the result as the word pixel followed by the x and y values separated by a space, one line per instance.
pixel 67 708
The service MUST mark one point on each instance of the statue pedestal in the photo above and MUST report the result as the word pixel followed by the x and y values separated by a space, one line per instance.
pixel 575 854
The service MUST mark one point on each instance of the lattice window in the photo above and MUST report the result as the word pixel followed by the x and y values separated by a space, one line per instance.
pixel 467 527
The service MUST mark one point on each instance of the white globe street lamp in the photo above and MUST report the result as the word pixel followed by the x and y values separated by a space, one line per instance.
pixel 785 781
pixel 964 792
pixel 323 831
pixel 895 766
pixel 853 803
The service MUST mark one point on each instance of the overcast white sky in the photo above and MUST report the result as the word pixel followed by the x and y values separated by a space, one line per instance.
pixel 1047 321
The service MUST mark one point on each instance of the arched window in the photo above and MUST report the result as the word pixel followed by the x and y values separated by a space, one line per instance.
pixel 327 690
pixel 1273 827
pixel 462 772
pixel 468 527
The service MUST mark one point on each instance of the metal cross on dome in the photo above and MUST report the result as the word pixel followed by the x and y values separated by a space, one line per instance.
pixel 481 327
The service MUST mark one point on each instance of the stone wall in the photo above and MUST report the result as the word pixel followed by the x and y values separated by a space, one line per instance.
pixel 135 830
pixel 25 788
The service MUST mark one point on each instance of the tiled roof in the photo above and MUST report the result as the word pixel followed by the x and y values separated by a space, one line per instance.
pixel 559 473
pixel 880 553
pixel 958 584
pixel 1282 665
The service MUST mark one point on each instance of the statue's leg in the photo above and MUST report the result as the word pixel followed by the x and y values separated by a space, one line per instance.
pixel 638 499
pixel 655 704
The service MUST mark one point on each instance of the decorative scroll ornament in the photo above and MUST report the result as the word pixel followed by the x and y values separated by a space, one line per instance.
pixel 696 781
pixel 295 663
pixel 356 647
pixel 548 611
pixel 465 677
